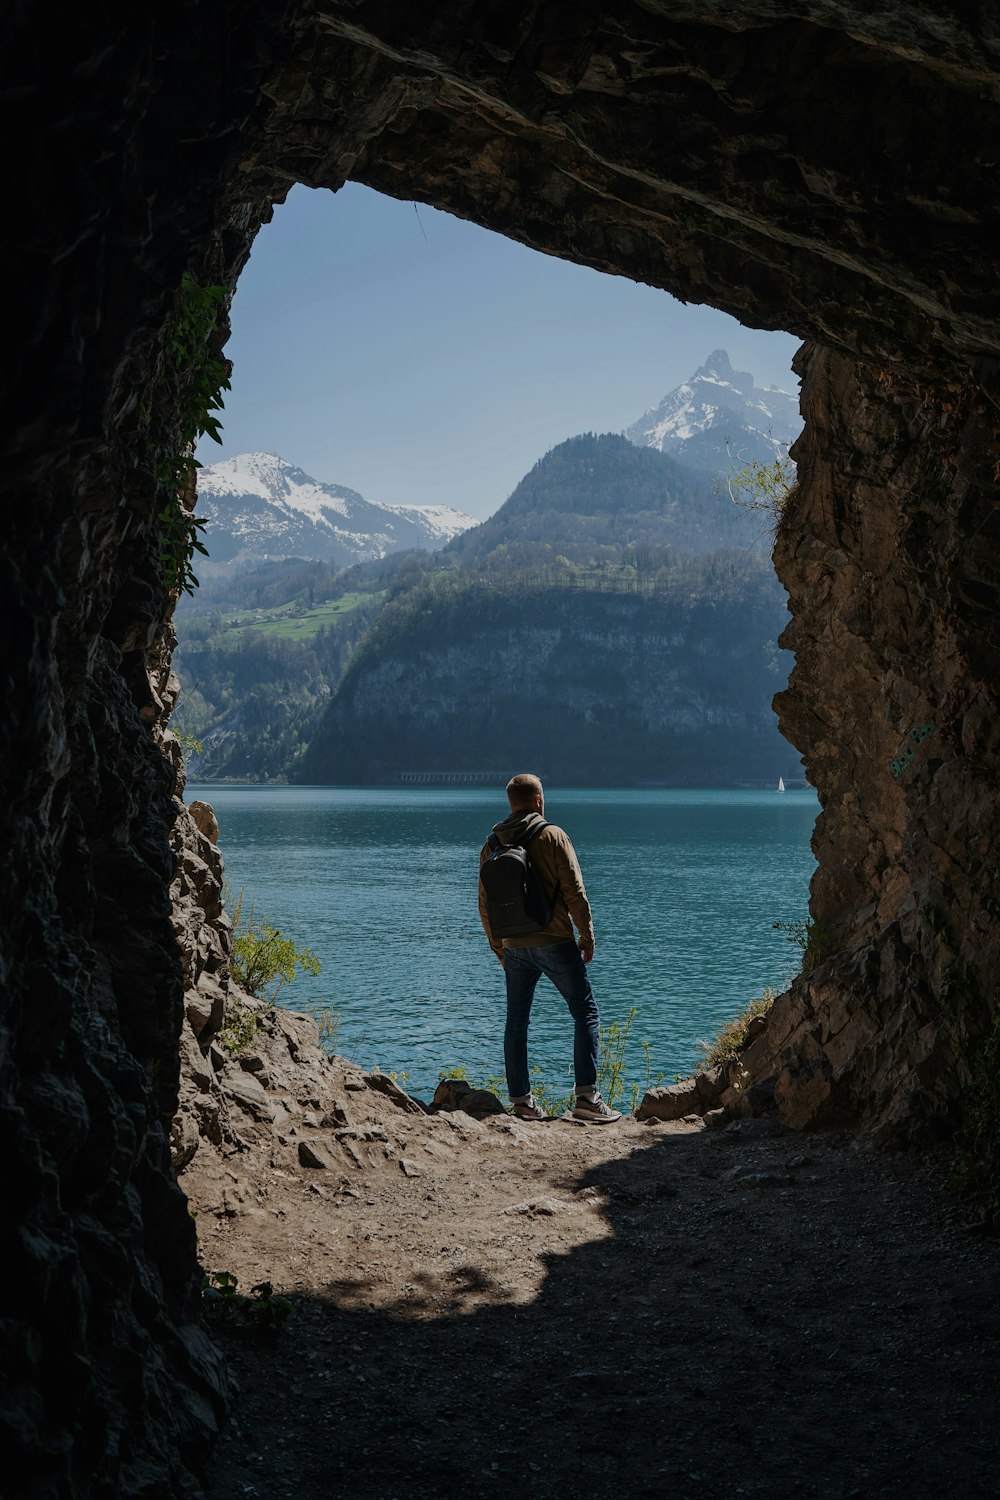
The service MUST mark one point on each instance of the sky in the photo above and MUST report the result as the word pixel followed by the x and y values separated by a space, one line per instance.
pixel 423 360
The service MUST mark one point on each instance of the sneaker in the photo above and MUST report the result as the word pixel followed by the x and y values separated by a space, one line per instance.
pixel 528 1110
pixel 595 1111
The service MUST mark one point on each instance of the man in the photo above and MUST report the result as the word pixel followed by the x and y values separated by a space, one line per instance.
pixel 551 951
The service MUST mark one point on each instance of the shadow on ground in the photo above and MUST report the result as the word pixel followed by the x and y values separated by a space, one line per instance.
pixel 769 1315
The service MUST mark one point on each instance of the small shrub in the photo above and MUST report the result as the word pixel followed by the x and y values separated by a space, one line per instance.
pixel 241 1027
pixel 262 960
pixel 327 1024
pixel 764 488
pixel 731 1040
pixel 189 743
pixel 814 942
pixel 401 1078
pixel 261 1309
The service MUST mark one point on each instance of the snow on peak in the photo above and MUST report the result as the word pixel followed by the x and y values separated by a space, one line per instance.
pixel 259 504
pixel 270 477
pixel 442 522
pixel 712 405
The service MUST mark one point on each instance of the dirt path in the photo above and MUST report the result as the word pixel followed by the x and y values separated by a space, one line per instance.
pixel 552 1311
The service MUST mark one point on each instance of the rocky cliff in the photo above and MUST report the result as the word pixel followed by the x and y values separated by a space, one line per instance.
pixel 825 167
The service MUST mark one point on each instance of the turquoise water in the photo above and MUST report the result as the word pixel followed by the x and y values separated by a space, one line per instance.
pixel 381 884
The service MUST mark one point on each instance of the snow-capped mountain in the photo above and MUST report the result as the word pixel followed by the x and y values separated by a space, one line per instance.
pixel 259 506
pixel 719 420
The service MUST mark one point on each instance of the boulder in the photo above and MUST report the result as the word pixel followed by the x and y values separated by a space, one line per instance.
pixel 383 1084
pixel 311 1154
pixel 245 1091
pixel 204 819
pixel 671 1102
pixel 455 1093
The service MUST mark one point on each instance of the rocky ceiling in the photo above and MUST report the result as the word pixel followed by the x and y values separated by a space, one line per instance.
pixel 826 168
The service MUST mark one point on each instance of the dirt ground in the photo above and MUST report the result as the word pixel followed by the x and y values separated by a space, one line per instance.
pixel 553 1310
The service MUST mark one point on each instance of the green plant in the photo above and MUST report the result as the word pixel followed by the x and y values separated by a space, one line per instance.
pixel 814 942
pixel 262 960
pixel 195 376
pixel 553 1104
pixel 638 1089
pixel 327 1024
pixel 976 1171
pixel 189 743
pixel 241 1026
pixel 761 487
pixel 730 1041
pixel 261 1309
pixel 613 1056
pixel 397 1077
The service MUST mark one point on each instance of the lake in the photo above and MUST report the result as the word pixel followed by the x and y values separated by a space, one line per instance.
pixel 382 883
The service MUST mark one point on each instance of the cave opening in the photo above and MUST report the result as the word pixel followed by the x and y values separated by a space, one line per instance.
pixel 353 301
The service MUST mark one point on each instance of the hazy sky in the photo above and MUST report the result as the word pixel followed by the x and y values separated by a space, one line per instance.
pixel 420 359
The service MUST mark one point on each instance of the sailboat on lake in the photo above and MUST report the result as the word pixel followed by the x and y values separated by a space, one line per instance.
pixel 781 784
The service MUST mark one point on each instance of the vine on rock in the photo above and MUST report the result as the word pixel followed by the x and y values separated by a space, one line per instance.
pixel 197 375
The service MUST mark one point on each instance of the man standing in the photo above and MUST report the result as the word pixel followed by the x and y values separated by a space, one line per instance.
pixel 551 951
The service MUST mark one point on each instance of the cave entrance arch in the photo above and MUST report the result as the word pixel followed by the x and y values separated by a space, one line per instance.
pixel 742 745
pixel 832 175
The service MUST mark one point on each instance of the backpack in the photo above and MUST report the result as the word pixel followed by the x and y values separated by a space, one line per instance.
pixel 517 903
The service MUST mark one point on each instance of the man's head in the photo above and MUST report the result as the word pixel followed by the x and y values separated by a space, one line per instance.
pixel 524 793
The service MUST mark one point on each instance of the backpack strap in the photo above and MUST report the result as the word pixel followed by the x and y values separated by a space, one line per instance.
pixel 495 844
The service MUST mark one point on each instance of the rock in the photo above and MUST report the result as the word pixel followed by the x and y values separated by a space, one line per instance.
pixel 409 1168
pixel 203 816
pixel 543 1207
pixel 711 1085
pixel 311 1154
pixel 251 1097
pixel 335 1116
pixel 255 1063
pixel 455 1093
pixel 383 1084
pixel 670 1102
pixel 204 1005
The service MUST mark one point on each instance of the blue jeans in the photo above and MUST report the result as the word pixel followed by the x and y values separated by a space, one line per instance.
pixel 562 963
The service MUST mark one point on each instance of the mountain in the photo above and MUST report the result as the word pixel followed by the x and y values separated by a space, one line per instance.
pixel 613 680
pixel 592 496
pixel 258 506
pixel 611 623
pixel 719 420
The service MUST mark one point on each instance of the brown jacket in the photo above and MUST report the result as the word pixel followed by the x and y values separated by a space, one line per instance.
pixel 554 859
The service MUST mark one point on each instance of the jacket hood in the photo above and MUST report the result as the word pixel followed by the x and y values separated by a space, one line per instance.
pixel 513 828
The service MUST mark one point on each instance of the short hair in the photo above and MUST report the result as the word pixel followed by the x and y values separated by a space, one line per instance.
pixel 522 788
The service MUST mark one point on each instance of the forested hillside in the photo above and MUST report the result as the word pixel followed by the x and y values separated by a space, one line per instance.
pixel 606 676
pixel 592 497
pixel 259 656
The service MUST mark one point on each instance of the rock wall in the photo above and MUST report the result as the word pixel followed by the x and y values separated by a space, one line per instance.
pixel 821 167
pixel 890 550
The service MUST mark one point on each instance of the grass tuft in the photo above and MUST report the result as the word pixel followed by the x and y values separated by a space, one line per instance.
pixel 728 1043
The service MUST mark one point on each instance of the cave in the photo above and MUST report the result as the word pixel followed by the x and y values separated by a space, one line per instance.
pixel 822 167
